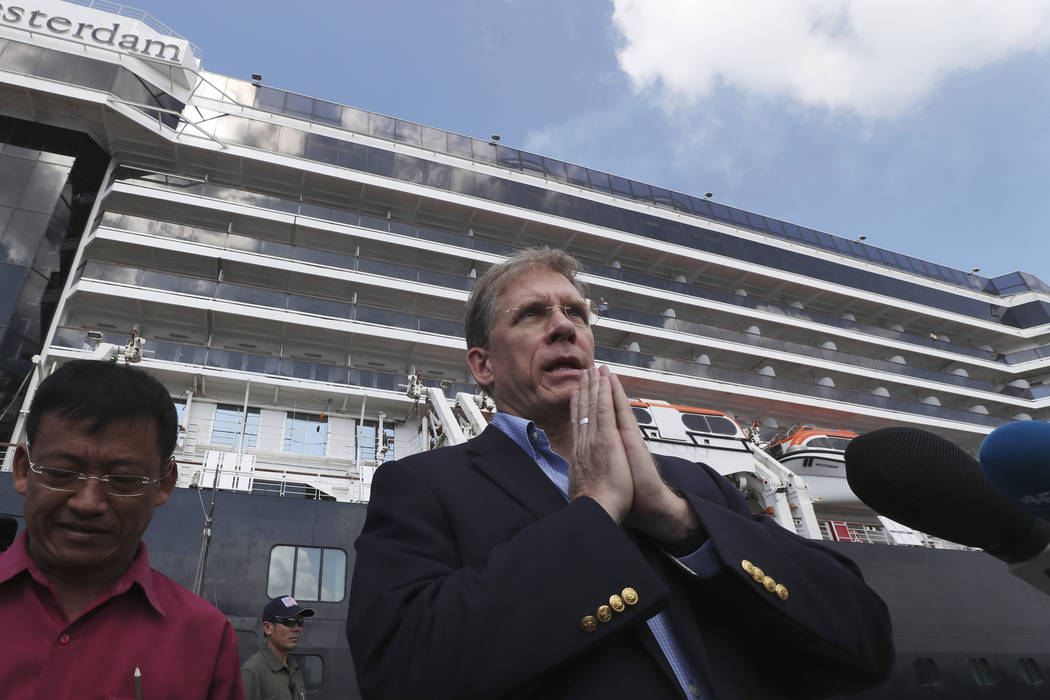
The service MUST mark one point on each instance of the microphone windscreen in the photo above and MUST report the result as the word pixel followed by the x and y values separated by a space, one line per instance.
pixel 1016 459
pixel 932 485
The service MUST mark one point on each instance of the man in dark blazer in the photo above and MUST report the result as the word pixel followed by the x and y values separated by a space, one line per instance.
pixel 553 557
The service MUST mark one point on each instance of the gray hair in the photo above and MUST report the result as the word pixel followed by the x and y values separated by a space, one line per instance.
pixel 482 306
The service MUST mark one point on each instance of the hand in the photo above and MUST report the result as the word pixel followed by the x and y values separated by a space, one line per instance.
pixel 599 468
pixel 656 510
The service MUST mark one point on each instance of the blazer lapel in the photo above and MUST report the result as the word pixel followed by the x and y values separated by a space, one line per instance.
pixel 501 460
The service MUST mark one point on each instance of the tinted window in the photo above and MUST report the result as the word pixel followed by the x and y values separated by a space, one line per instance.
pixel 1030 672
pixel 641 415
pixel 229 420
pixel 721 425
pixel 367 444
pixel 695 421
pixel 407 132
pixel 305 434
pixel 926 670
pixel 327 112
pixel 268 98
pixel 981 671
pixel 620 186
pixel 299 104
pixel 312 668
pixel 381 126
pixel 310 573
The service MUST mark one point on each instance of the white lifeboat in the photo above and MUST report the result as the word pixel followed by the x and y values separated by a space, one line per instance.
pixel 817 455
pixel 696 434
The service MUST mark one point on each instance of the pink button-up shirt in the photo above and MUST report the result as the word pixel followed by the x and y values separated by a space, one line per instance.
pixel 183 647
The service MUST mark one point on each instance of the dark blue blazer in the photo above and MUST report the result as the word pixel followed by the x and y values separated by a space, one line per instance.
pixel 473 575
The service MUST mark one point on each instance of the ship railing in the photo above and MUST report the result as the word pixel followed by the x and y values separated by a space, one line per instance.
pixel 140 15
pixel 288 481
pixel 276 101
pixel 331 214
pixel 285 366
pixel 272 298
pixel 228 240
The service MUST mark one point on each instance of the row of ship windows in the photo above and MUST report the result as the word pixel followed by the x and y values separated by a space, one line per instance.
pixel 417 322
pixel 324 149
pixel 1029 314
pixel 701 423
pixel 765 377
pixel 360 312
pixel 667 320
pixel 401 131
pixel 445 177
pixel 304 433
pixel 981 671
pixel 332 259
pixel 247 361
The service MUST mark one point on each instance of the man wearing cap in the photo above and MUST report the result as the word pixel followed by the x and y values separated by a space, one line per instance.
pixel 270 674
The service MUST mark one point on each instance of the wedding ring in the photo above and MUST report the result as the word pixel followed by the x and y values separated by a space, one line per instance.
pixel 583 421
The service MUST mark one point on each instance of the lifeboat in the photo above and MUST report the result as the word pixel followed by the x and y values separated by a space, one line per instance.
pixel 696 434
pixel 817 455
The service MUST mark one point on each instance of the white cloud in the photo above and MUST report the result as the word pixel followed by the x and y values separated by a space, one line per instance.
pixel 875 58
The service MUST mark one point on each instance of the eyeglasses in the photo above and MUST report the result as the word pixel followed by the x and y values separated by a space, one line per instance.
pixel 113 484
pixel 536 313
pixel 289 621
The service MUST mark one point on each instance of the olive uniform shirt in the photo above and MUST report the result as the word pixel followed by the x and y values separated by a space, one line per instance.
pixel 266 678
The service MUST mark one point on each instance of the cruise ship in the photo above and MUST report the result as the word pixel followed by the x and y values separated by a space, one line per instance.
pixel 294 271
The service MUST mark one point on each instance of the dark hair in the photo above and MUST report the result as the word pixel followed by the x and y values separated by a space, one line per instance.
pixel 102 392
pixel 484 298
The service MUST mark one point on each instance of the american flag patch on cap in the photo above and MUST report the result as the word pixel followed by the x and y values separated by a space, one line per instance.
pixel 289 601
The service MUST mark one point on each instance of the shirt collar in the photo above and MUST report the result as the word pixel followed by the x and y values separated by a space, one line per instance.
pixel 522 431
pixel 16 560
pixel 140 572
pixel 273 662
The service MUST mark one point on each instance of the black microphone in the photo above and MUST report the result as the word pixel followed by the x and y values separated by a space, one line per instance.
pixel 930 484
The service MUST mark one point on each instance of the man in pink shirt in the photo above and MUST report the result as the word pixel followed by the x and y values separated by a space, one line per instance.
pixel 94 620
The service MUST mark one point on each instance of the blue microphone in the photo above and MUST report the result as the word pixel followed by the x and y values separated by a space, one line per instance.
pixel 1016 459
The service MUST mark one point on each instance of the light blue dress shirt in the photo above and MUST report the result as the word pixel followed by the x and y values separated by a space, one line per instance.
pixel 701 563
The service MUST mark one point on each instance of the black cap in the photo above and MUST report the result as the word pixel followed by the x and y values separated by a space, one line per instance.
pixel 284 606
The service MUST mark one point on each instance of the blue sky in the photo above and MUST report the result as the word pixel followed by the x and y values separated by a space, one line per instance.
pixel 923 126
